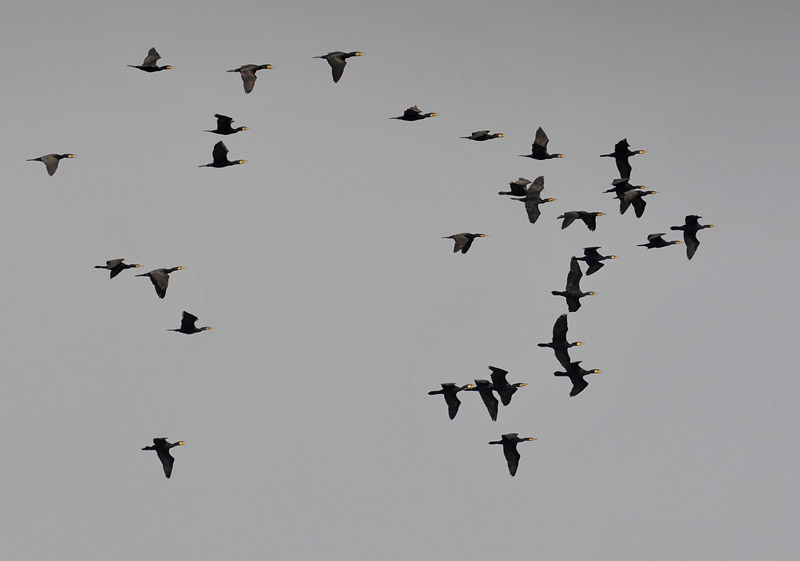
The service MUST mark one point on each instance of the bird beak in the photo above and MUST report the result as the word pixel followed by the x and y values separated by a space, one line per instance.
pixel 559 156
pixel 359 53
pixel 613 256
pixel 500 135
pixel 180 443
pixel 269 67
pixel 71 156
pixel 181 268
pixel 242 161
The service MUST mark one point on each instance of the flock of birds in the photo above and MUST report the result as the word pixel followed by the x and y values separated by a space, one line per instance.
pixel 522 190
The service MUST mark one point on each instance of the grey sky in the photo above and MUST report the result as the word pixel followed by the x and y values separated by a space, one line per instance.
pixel 337 305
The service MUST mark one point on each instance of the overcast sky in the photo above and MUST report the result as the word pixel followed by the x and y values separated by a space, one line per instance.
pixel 337 306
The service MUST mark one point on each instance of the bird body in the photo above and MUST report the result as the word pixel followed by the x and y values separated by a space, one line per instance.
pixel 573 292
pixel 635 198
pixel 188 326
pixel 450 393
pixel 160 279
pixel 621 154
pixel 559 343
pixel 116 266
pixel 414 114
pixel 484 388
pixel 589 218
pixel 593 259
pixel 248 74
pixel 480 136
pixel 657 240
pixel 162 447
pixel 50 161
pixel 576 375
pixel 224 125
pixel 149 63
pixel 463 241
pixel 220 156
pixel 539 148
pixel 690 228
pixel 505 390
pixel 509 442
pixel 533 198
pixel 338 60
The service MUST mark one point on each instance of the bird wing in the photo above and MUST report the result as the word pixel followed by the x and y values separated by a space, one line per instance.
pixel 220 152
pixel 506 393
pixel 569 218
pixel 160 281
pixel 490 401
pixel 223 122
pixel 477 134
pixel 623 166
pixel 574 276
pixel 541 140
pixel 562 356
pixel 188 321
pixel 590 220
pixel 512 456
pixel 578 385
pixel 573 303
pixel 114 262
pixel 594 267
pixel 51 163
pixel 560 329
pixel 653 237
pixel 532 208
pixel 453 403
pixel 412 112
pixel 460 242
pixel 249 80
pixel 691 241
pixel 151 58
pixel 498 376
pixel 638 204
pixel 166 460
pixel 537 186
pixel 337 67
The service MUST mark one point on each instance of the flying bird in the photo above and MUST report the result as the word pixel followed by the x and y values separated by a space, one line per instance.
pixel 224 125
pixel 505 390
pixel 589 218
pixel 220 156
pixel 539 148
pixel 463 241
pixel 635 198
pixel 248 73
pixel 450 393
pixel 559 344
pixel 518 188
pixel 621 154
pixel 414 114
pixel 657 240
pixel 149 64
pixel 690 228
pixel 480 136
pixel 188 326
pixel 161 446
pixel 116 266
pixel 50 161
pixel 533 198
pixel 593 259
pixel 573 292
pixel 484 388
pixel 338 60
pixel 509 442
pixel 576 375
pixel 160 279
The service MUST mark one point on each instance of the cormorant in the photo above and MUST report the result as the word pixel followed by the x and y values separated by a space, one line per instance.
pixel 161 446
pixel 573 292
pixel 690 228
pixel 414 114
pixel 621 154
pixel 518 188
pixel 505 390
pixel 634 197
pixel 509 442
pixel 149 64
pixel 589 218
pixel 656 240
pixel 160 279
pixel 533 198
pixel 248 73
pixel 480 136
pixel 50 161
pixel 559 343
pixel 116 266
pixel 220 155
pixel 338 60
pixel 463 241
pixel 450 391
pixel 576 374
pixel 224 125
pixel 539 148
pixel 593 259
pixel 484 387
pixel 188 325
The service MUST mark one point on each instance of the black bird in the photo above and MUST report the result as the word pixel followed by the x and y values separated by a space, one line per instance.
pixel 480 136
pixel 690 228
pixel 463 241
pixel 248 73
pixel 589 218
pixel 188 325
pixel 338 60
pixel 573 292
pixel 224 126
pixel 160 279
pixel 509 442
pixel 50 161
pixel 161 446
pixel 149 64
pixel 505 390
pixel 656 240
pixel 220 155
pixel 635 198
pixel 414 114
pixel 622 186
pixel 518 188
pixel 593 259
pixel 576 375
pixel 116 266
pixel 450 391
pixel 484 387
pixel 539 148
pixel 533 198
pixel 621 154
pixel 559 343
